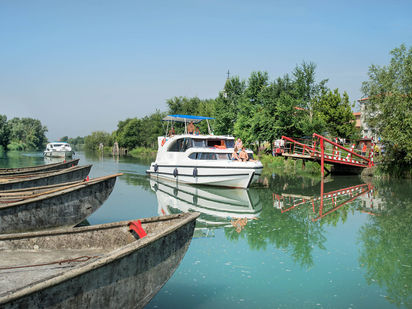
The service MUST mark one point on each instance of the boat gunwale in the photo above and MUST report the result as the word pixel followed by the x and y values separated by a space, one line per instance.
pixel 11 170
pixel 73 186
pixel 46 174
pixel 107 258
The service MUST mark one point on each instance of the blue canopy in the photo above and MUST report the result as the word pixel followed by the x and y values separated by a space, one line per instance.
pixel 186 118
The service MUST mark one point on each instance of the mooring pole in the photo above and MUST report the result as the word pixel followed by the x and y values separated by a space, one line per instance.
pixel 322 159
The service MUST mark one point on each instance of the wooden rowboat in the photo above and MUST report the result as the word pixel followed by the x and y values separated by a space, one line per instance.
pixel 63 205
pixel 37 179
pixel 38 168
pixel 101 266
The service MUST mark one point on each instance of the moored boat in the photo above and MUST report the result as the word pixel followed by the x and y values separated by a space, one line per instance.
pixel 202 159
pixel 44 178
pixel 59 150
pixel 38 168
pixel 101 266
pixel 62 205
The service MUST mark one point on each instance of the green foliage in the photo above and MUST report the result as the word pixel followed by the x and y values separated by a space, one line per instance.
pixel 27 133
pixel 93 141
pixel 133 132
pixel 389 107
pixel 227 105
pixel 4 132
pixel 333 112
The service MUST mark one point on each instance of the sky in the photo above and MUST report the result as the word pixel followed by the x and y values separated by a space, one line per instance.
pixel 83 65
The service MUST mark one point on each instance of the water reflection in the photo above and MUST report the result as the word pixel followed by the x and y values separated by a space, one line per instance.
pixel 327 202
pixel 386 242
pixel 218 207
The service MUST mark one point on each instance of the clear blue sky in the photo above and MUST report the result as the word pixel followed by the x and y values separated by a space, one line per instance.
pixel 81 66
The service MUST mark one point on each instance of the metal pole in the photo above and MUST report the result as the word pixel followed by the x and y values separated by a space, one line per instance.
pixel 322 159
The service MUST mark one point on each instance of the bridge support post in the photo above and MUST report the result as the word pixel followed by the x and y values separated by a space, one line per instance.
pixel 322 158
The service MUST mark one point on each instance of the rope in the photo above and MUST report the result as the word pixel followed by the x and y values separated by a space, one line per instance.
pixel 79 259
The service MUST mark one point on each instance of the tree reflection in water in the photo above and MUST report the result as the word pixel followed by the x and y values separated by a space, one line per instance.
pixel 386 242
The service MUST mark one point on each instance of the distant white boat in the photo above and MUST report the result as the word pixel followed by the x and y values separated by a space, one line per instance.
pixel 59 150
pixel 202 159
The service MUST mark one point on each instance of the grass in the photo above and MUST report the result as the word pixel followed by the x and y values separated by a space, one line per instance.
pixel 142 152
pixel 290 166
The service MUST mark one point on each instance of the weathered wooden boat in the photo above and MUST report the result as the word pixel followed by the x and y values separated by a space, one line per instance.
pixel 38 168
pixel 62 205
pixel 101 266
pixel 37 179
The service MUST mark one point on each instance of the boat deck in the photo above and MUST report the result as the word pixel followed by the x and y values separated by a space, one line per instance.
pixel 39 265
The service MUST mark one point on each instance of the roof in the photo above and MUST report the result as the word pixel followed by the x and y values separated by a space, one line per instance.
pixel 185 118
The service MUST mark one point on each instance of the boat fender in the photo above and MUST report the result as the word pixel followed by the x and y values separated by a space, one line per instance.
pixel 156 167
pixel 136 226
pixel 175 172
pixel 195 172
pixel 155 187
pixel 163 141
pixel 194 199
pixel 87 178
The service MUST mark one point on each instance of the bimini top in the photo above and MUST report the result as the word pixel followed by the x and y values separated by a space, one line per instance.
pixel 185 118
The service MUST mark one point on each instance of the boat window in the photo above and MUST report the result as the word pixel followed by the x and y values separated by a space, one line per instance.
pixel 207 156
pixel 200 143
pixel 181 145
pixel 230 143
pixel 193 156
pixel 250 155
pixel 223 156
pixel 214 142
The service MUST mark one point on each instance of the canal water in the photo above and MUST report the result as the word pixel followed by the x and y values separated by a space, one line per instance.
pixel 288 242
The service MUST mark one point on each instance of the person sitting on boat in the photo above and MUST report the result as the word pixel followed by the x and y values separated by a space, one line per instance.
pixel 172 131
pixel 235 156
pixel 190 128
pixel 244 156
pixel 238 143
pixel 197 131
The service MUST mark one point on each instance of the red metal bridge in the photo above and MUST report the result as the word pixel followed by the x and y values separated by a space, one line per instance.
pixel 325 151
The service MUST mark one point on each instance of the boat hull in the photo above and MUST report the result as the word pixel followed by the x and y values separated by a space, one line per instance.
pixel 129 279
pixel 215 176
pixel 59 209
pixel 48 178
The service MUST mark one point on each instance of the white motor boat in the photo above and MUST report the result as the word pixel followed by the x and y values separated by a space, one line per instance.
pixel 59 150
pixel 202 159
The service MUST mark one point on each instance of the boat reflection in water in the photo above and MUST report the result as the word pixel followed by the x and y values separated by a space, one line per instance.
pixel 330 200
pixel 218 207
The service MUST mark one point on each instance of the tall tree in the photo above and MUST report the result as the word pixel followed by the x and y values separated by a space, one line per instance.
pixel 389 105
pixel 227 105
pixel 4 132
pixel 333 113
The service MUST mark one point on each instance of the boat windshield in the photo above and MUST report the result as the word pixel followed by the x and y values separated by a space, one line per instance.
pixel 209 156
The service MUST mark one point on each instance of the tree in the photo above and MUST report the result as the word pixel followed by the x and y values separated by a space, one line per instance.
pixel 227 105
pixel 389 106
pixel 333 113
pixel 93 141
pixel 4 132
pixel 27 133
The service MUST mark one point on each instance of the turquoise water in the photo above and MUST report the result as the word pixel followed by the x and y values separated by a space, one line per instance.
pixel 276 245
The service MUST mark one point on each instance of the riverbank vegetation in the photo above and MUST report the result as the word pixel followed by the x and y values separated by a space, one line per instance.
pixel 388 110
pixel 22 134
